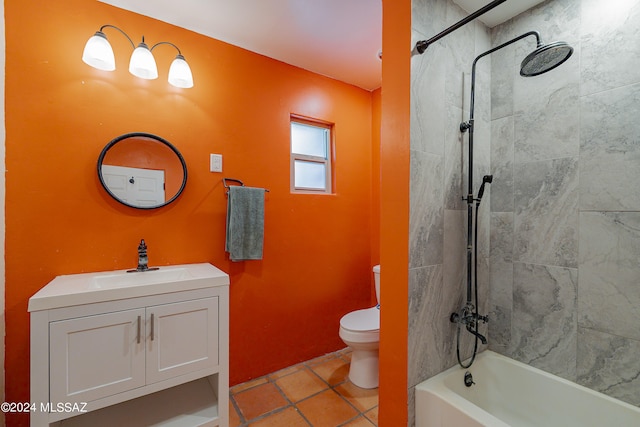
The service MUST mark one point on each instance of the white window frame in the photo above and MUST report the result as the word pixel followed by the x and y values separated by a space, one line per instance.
pixel 326 161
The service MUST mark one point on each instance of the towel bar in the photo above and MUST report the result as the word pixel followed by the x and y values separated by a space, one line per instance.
pixel 224 182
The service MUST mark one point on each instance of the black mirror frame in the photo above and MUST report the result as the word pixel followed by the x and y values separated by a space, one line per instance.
pixel 117 139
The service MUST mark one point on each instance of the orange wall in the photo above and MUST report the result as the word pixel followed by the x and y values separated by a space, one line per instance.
pixel 394 211
pixel 376 119
pixel 59 115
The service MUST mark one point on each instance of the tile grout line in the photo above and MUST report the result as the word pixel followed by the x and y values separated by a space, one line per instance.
pixel 333 387
pixel 302 366
pixel 293 404
pixel 237 409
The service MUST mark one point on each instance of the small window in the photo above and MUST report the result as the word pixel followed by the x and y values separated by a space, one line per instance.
pixel 310 156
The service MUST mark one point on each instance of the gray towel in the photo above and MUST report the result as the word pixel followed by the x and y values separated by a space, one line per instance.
pixel 245 223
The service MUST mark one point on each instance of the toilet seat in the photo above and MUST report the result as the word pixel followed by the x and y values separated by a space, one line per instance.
pixel 364 320
pixel 361 326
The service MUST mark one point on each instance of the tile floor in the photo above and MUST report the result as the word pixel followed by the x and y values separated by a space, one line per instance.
pixel 315 393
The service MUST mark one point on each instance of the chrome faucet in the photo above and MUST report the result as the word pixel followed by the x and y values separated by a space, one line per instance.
pixel 143 259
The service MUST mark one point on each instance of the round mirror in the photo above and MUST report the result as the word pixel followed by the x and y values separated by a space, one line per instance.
pixel 142 170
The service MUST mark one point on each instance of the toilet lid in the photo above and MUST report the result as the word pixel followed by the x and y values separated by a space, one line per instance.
pixel 362 320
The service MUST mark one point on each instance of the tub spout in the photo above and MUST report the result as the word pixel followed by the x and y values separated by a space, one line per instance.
pixel 481 337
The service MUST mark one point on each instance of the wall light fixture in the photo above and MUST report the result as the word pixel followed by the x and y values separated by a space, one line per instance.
pixel 99 54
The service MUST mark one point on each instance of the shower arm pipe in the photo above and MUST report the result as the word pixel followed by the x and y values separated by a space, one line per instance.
pixel 469 126
pixel 422 45
pixel 473 68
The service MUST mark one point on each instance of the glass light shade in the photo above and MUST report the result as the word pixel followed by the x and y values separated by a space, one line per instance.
pixel 180 73
pixel 98 53
pixel 142 63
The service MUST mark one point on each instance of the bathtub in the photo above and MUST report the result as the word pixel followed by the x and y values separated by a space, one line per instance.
pixel 509 393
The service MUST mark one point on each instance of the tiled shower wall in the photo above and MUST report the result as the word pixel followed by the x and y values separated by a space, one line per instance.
pixel 564 148
pixel 437 242
pixel 565 204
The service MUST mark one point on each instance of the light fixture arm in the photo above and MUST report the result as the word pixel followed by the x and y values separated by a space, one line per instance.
pixel 125 34
pixel 169 43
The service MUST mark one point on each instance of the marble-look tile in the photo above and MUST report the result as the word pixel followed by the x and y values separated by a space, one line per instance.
pixel 484 285
pixel 500 329
pixel 426 212
pixel 609 294
pixel 431 334
pixel 411 400
pixel 481 152
pixel 547 118
pixel 501 268
pixel 609 364
pixel 610 150
pixel 610 53
pixel 503 72
pixel 454 158
pixel 502 134
pixel 483 95
pixel 546 215
pixel 428 111
pixel 455 249
pixel 428 17
pixel 483 218
pixel 544 321
pixel 460 54
pixel 482 37
pixel 506 31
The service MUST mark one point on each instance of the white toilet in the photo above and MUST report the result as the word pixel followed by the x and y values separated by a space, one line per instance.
pixel 360 330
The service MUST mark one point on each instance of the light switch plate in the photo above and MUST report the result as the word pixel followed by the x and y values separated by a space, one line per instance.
pixel 215 163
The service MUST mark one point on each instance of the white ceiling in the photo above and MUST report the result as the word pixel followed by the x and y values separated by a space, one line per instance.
pixel 336 38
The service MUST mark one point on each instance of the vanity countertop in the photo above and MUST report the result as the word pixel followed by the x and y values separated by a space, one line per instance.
pixel 87 288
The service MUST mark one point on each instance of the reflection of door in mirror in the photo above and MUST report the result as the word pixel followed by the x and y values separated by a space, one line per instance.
pixel 136 186
pixel 145 153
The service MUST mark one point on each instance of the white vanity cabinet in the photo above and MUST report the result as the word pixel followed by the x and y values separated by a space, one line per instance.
pixel 121 356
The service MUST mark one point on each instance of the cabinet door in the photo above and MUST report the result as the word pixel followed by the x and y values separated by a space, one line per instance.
pixel 96 356
pixel 181 338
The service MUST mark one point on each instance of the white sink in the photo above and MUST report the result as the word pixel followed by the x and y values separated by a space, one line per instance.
pixel 141 278
pixel 87 288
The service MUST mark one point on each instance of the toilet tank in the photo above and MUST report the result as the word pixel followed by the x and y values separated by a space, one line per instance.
pixel 376 278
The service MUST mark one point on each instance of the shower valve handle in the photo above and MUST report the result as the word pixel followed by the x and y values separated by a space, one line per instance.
pixel 464 126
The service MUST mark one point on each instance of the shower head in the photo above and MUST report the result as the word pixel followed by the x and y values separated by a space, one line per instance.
pixel 545 58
